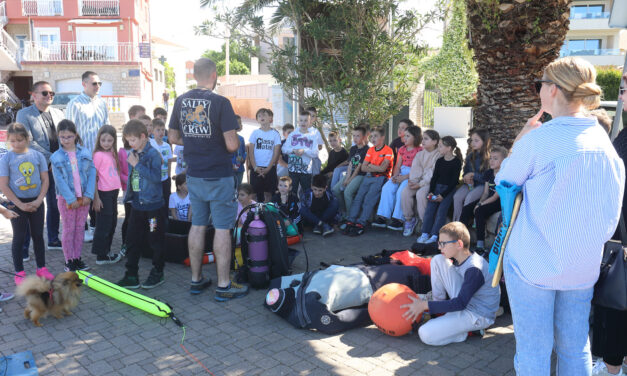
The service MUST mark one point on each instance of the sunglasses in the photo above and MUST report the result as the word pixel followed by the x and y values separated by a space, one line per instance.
pixel 96 84
pixel 45 93
pixel 442 244
pixel 538 84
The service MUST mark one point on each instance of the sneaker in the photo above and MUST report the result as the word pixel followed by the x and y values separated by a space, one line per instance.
pixel 155 278
pixel 477 333
pixel 423 238
pixel 103 260
pixel 196 288
pixel 432 239
pixel 348 227
pixel 89 235
pixel 500 311
pixel 122 251
pixel 380 222
pixel 327 229
pixel 234 290
pixel 44 272
pixel 80 265
pixel 55 246
pixel 317 229
pixel 395 225
pixel 4 296
pixel 600 369
pixel 70 266
pixel 409 227
pixel 129 281
pixel 19 277
pixel 357 230
pixel 25 259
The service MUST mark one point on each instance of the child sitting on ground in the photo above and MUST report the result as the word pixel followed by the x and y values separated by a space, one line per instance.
pixel 245 194
pixel 415 193
pixel 179 204
pixel 287 202
pixel 390 203
pixel 489 203
pixel 338 158
pixel 319 207
pixel 441 189
pixel 378 168
pixel 464 277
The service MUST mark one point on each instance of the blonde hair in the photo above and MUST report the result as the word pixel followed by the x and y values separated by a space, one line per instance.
pixel 500 150
pixel 577 79
pixel 457 231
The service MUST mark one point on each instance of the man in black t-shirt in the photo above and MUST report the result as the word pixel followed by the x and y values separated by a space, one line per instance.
pixel 204 123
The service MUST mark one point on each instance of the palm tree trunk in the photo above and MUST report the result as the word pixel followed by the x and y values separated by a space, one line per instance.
pixel 512 41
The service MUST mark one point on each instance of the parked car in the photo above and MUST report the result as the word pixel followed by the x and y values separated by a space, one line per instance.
pixel 61 100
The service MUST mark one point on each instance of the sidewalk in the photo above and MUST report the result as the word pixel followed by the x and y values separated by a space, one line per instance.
pixel 239 337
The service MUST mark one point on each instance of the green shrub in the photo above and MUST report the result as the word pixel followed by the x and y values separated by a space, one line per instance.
pixel 609 80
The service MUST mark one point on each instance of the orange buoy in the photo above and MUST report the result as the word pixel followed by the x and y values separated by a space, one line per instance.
pixel 386 312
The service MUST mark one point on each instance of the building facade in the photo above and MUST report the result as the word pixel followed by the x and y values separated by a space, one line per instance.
pixel 590 36
pixel 58 40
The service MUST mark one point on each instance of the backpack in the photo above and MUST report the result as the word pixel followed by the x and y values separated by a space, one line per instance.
pixel 278 260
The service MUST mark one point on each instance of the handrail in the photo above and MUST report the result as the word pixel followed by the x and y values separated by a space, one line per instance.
pixel 79 51
pixel 3 14
pixel 42 8
pixel 7 94
pixel 99 7
pixel 8 44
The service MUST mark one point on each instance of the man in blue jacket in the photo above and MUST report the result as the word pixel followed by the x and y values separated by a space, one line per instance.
pixel 40 119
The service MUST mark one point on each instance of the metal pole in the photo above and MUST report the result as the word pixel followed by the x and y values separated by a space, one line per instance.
pixel 228 57
pixel 295 103
pixel 619 106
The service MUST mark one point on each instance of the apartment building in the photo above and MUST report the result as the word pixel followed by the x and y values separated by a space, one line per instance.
pixel 57 40
pixel 590 36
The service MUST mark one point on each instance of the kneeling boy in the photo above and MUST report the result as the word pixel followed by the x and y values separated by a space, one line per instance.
pixel 463 276
pixel 319 206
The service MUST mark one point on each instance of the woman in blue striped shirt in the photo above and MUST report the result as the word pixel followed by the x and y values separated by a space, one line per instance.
pixel 573 183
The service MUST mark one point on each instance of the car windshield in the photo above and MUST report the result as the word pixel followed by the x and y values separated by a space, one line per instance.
pixel 63 98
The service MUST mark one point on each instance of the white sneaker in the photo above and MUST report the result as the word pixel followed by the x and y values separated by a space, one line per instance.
pixel 600 369
pixel 423 238
pixel 89 235
pixel 432 239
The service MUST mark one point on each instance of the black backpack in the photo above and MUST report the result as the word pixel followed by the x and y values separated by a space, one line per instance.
pixel 278 261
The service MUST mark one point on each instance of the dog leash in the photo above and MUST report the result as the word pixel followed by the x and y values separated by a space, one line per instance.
pixel 10 273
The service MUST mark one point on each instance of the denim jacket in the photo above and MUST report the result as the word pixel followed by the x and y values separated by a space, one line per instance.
pixel 149 169
pixel 62 172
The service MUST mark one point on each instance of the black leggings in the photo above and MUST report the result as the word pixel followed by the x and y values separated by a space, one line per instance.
pixel 482 214
pixel 127 214
pixel 609 335
pixel 106 221
pixel 35 222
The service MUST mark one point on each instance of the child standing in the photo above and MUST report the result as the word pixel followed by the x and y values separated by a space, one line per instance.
pixel 8 214
pixel 123 165
pixel 489 203
pixel 301 147
pixel 239 157
pixel 338 159
pixel 264 149
pixel 378 168
pixel 181 165
pixel 464 277
pixel 346 189
pixel 106 196
pixel 475 165
pixel 390 203
pixel 158 132
pixel 148 219
pixel 319 208
pixel 281 169
pixel 287 201
pixel 179 204
pixel 24 181
pixel 75 177
pixel 420 175
pixel 443 183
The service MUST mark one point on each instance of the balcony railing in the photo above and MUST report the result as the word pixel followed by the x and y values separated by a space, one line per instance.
pixel 3 14
pixel 589 16
pixel 77 51
pixel 42 7
pixel 99 7
pixel 592 52
pixel 8 44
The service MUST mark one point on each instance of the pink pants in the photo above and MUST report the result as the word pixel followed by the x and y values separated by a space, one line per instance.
pixel 73 222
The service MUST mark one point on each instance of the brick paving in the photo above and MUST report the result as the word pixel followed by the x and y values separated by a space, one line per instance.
pixel 241 337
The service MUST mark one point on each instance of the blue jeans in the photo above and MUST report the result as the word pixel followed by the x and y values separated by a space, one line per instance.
pixel 435 214
pixel 366 199
pixel 327 216
pixel 545 320
pixel 337 175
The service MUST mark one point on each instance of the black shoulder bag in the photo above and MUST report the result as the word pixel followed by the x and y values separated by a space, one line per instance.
pixel 610 290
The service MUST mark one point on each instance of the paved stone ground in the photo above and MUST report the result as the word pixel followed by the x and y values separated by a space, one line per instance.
pixel 106 337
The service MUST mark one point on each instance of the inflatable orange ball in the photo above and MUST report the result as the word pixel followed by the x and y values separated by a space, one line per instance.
pixel 386 312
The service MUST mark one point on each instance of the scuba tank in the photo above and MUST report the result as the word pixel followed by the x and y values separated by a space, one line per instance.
pixel 258 264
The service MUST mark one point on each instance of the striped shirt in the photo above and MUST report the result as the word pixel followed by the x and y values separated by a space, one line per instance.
pixel 573 184
pixel 89 114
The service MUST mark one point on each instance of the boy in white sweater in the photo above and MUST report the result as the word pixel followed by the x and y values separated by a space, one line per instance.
pixel 301 147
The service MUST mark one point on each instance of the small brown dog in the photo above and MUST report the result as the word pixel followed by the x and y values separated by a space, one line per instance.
pixel 56 297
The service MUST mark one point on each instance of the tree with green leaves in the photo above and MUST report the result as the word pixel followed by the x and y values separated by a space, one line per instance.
pixel 355 57
pixel 240 52
pixel 170 77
